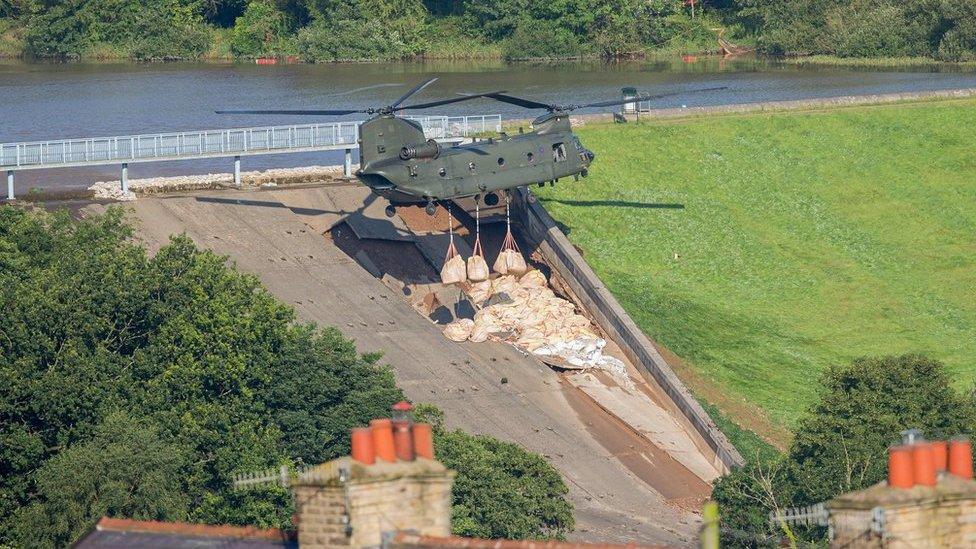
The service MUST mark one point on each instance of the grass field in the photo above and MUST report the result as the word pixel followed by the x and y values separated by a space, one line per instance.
pixel 762 248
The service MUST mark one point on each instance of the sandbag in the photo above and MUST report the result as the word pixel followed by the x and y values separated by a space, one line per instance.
pixel 477 266
pixel 478 334
pixel 510 262
pixel 454 271
pixel 477 269
pixel 479 292
pixel 459 330
pixel 533 279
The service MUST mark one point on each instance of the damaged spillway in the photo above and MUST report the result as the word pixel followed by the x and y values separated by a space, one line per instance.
pixel 637 468
pixel 525 310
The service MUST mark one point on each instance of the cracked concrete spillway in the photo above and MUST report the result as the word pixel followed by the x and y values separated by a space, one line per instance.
pixel 624 486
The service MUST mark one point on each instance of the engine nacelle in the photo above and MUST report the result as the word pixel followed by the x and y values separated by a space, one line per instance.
pixel 430 149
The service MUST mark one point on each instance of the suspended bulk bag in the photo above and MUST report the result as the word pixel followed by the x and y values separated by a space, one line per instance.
pixel 454 269
pixel 477 266
pixel 510 260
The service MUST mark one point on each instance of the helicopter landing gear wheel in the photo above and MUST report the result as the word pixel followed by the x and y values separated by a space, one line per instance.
pixel 431 208
pixel 390 211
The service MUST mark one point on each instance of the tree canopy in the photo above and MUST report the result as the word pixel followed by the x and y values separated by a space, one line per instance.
pixel 500 490
pixel 841 444
pixel 330 30
pixel 138 386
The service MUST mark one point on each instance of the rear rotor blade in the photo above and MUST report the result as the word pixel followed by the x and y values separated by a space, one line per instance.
pixel 294 112
pixel 527 103
pixel 444 101
pixel 415 89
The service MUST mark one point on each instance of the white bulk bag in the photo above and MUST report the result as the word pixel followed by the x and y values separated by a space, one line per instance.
pixel 459 330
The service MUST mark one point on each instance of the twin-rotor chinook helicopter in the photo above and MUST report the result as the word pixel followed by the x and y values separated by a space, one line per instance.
pixel 397 162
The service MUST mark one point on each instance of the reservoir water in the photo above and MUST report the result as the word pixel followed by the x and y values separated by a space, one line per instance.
pixel 57 101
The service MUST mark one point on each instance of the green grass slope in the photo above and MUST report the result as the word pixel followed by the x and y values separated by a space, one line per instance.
pixel 762 248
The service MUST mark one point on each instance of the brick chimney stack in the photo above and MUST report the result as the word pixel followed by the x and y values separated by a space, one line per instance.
pixel 929 500
pixel 389 485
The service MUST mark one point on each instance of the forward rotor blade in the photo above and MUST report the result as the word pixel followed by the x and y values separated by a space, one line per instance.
pixel 415 89
pixel 367 88
pixel 511 99
pixel 673 94
pixel 648 97
pixel 444 101
pixel 294 112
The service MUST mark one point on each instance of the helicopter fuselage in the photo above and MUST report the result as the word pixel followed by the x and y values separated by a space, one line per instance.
pixel 400 164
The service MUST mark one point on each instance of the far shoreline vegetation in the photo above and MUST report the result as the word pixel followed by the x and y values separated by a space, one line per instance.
pixel 869 33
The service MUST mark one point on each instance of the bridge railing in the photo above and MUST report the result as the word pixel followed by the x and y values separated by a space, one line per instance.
pixel 217 143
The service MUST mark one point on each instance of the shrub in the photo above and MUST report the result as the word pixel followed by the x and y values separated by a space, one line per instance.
pixel 261 31
pixel 501 490
pixel 151 30
pixel 542 40
pixel 182 35
pixel 360 39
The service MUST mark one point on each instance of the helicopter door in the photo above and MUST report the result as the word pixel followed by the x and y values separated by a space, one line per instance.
pixel 559 152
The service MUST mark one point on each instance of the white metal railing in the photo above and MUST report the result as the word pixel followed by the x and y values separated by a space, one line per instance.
pixel 217 143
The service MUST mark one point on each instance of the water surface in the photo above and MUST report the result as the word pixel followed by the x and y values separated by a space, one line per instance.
pixel 56 101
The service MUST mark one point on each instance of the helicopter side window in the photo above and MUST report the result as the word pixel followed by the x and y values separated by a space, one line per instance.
pixel 529 156
pixel 442 172
pixel 559 152
pixel 501 161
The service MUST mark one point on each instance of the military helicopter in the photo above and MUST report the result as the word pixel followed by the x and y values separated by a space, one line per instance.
pixel 397 162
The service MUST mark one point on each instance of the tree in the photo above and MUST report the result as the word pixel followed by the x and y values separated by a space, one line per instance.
pixel 501 490
pixel 139 386
pixel 195 352
pixel 124 470
pixel 260 31
pixel 841 443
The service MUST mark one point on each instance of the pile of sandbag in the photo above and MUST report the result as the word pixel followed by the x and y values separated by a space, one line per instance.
pixel 584 352
pixel 524 311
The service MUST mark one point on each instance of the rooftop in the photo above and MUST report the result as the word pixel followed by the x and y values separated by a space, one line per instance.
pixel 151 534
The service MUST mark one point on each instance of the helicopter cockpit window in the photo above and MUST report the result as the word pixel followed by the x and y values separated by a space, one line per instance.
pixel 559 152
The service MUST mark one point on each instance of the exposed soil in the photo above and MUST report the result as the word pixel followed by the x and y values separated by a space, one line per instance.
pixel 651 464
pixel 417 220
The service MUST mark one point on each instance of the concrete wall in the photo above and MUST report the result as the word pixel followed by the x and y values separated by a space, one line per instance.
pixel 540 229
